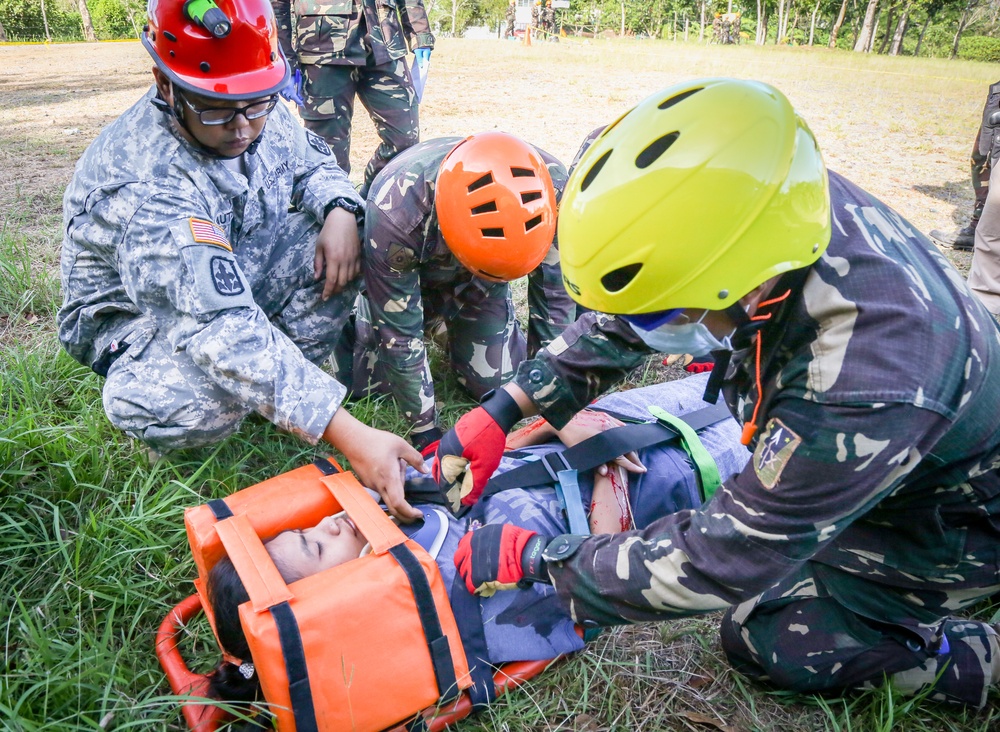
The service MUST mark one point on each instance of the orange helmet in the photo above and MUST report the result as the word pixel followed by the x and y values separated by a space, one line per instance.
pixel 222 49
pixel 496 206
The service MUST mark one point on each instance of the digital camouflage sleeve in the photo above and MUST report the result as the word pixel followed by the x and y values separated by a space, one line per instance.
pixel 154 228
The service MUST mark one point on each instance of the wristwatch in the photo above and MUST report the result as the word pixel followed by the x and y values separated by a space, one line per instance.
pixel 348 205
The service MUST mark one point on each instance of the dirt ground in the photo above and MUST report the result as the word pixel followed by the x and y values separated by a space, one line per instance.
pixel 902 128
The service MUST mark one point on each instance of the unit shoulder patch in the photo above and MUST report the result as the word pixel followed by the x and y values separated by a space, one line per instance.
pixel 318 143
pixel 225 277
pixel 773 452
pixel 204 231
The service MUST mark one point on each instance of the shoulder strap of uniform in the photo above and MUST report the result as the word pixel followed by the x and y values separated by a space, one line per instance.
pixel 601 449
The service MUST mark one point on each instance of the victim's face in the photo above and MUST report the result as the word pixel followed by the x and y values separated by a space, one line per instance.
pixel 304 552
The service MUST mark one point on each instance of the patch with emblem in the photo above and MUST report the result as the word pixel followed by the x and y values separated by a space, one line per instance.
pixel 400 257
pixel 318 143
pixel 205 232
pixel 225 277
pixel 773 452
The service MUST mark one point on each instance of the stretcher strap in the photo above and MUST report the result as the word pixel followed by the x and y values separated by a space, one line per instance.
pixel 568 491
pixel 704 464
pixel 295 667
pixel 437 641
pixel 469 618
pixel 600 449
pixel 220 509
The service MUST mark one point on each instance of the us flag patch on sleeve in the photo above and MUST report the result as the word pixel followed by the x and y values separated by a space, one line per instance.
pixel 205 232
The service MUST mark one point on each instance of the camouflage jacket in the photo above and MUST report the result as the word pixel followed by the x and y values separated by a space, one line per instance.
pixel 349 32
pixel 404 257
pixel 878 457
pixel 151 224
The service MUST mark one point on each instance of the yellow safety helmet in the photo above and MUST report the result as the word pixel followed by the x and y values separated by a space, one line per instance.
pixel 692 199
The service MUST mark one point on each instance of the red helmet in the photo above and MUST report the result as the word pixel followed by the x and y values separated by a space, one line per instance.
pixel 222 49
pixel 496 206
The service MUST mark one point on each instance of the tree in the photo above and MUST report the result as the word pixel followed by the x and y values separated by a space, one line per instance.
pixel 812 22
pixel 839 22
pixel 864 41
pixel 3 34
pixel 963 22
pixel 897 37
pixel 88 25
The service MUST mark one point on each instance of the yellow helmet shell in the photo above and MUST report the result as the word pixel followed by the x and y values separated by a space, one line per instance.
pixel 692 199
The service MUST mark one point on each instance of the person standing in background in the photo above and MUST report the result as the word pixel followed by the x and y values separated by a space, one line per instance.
pixel 342 48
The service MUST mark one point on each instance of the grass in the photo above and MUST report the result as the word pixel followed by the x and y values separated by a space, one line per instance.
pixel 92 545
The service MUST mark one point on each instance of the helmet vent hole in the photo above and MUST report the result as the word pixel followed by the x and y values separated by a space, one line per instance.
pixel 649 156
pixel 170 36
pixel 204 66
pixel 618 279
pixel 274 56
pixel 594 170
pixel 532 223
pixel 668 103
pixel 480 182
pixel 522 172
pixel 487 207
pixel 492 233
pixel 172 54
pixel 530 196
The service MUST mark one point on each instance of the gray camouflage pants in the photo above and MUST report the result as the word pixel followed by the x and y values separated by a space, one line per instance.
pixel 161 397
pixel 799 637
pixel 387 93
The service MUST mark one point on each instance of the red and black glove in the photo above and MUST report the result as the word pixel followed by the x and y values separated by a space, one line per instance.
pixel 500 557
pixel 469 453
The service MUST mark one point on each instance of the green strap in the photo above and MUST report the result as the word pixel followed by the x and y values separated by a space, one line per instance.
pixel 704 463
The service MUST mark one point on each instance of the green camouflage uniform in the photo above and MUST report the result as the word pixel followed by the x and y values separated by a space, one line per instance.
pixel 870 511
pixel 190 285
pixel 511 15
pixel 348 47
pixel 412 277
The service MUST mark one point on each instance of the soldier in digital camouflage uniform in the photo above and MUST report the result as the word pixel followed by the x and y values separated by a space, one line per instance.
pixel 357 47
pixel 415 277
pixel 510 16
pixel 536 12
pixel 207 268
pixel 548 14
pixel 865 372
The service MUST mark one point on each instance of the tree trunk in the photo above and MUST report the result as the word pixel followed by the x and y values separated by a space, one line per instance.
pixel 454 16
pixel 871 41
pixel 3 34
pixel 865 36
pixel 88 25
pixel 812 23
pixel 837 25
pixel 761 36
pixel 920 38
pixel 889 21
pixel 897 38
pixel 622 33
pixel 795 24
pixel 962 22
pixel 45 22
pixel 701 31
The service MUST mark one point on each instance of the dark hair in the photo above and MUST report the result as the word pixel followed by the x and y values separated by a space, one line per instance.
pixel 226 593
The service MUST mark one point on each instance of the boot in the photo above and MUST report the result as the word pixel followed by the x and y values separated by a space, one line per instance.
pixel 963 240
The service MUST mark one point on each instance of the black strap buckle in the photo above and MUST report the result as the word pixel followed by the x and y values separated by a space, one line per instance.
pixel 554 463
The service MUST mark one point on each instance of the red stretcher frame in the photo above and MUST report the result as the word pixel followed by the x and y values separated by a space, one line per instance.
pixel 203 716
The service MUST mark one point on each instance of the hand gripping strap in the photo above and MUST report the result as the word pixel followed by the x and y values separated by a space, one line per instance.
pixel 602 448
pixel 704 464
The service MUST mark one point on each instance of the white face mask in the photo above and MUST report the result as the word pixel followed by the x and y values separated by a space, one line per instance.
pixel 678 338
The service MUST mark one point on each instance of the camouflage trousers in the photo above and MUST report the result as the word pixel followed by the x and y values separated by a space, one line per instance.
pixel 387 93
pixel 980 165
pixel 797 636
pixel 160 396
pixel 481 335
pixel 984 272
